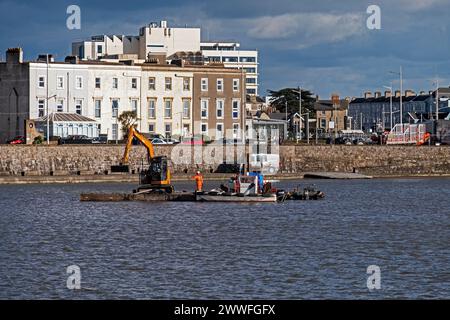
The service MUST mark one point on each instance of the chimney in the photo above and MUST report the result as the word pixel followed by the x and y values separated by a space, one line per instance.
pixel 14 56
pixel 377 94
pixel 388 94
pixel 43 58
pixel 397 93
pixel 367 94
pixel 163 24
pixel 72 59
pixel 409 93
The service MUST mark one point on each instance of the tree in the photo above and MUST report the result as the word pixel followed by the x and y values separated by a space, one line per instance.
pixel 127 120
pixel 291 96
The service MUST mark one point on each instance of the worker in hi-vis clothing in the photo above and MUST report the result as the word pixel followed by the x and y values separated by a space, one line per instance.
pixel 199 181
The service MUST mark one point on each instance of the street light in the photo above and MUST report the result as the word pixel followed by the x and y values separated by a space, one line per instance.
pixel 401 94
pixel 299 92
pixel 390 105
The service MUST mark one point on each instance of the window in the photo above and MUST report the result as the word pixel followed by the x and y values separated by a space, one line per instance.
pixel 98 83
pixel 79 107
pixel 251 91
pixel 204 128
pixel 323 123
pixel 41 82
pixel 204 109
pixel 230 59
pixel 151 83
pixel 151 128
pixel 115 108
pixel 134 83
pixel 250 70
pixel 219 84
pixel 79 83
pixel 219 131
pixel 60 82
pixel 236 130
pixel 168 130
pixel 41 108
pixel 60 105
pixel 168 83
pixel 250 80
pixel 115 131
pixel 220 108
pixel 98 108
pixel 134 105
pixel 167 108
pixel 186 130
pixel 248 59
pixel 204 84
pixel 236 85
pixel 99 49
pixel 186 84
pixel 115 83
pixel 236 107
pixel 152 108
pixel 186 108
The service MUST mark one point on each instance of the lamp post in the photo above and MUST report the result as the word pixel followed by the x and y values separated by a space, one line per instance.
pixel 401 94
pixel 390 105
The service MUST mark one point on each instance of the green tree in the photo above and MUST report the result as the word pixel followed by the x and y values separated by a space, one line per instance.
pixel 291 96
pixel 127 120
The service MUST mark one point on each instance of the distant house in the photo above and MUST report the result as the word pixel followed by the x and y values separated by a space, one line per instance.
pixel 67 124
pixel 264 127
pixel 331 116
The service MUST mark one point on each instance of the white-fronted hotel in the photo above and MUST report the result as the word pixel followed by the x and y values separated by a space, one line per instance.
pixel 169 99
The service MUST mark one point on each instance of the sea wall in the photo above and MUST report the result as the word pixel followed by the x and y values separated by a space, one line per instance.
pixel 370 160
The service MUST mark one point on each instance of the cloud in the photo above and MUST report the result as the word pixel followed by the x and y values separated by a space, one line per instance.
pixel 417 5
pixel 311 28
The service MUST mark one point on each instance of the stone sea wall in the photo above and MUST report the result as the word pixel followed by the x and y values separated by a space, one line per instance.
pixel 97 159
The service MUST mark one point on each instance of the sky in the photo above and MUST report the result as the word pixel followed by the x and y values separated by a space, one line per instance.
pixel 324 46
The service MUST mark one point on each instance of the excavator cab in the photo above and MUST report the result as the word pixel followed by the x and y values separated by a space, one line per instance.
pixel 157 176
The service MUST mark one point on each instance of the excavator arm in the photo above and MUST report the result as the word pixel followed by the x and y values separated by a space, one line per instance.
pixel 134 133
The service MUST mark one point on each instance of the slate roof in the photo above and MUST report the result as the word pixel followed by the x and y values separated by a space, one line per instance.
pixel 65 117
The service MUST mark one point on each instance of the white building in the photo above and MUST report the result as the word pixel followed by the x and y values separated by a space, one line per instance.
pixel 231 56
pixel 160 39
pixel 162 95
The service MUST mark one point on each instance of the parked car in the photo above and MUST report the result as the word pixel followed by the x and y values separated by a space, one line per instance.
pixel 76 139
pixel 17 140
pixel 101 139
pixel 158 141
pixel 171 141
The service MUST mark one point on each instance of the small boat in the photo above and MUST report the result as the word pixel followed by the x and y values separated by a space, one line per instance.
pixel 215 197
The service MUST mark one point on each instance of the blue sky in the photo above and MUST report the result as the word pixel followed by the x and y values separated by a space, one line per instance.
pixel 322 45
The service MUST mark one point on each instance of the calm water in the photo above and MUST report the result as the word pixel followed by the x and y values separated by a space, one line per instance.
pixel 294 250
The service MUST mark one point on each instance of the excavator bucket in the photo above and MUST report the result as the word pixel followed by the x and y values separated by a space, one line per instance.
pixel 120 169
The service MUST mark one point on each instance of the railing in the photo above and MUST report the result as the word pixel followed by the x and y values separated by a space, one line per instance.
pixel 407 134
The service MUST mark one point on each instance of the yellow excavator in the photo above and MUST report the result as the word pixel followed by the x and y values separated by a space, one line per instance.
pixel 157 177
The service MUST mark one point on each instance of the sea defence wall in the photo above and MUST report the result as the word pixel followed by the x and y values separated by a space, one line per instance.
pixel 295 160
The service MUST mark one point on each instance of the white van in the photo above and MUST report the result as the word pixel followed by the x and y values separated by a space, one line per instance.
pixel 265 163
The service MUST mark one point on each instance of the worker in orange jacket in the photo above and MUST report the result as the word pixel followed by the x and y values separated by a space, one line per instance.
pixel 199 181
